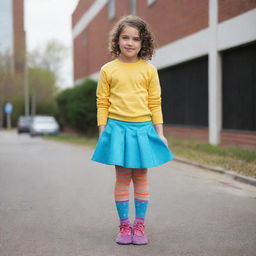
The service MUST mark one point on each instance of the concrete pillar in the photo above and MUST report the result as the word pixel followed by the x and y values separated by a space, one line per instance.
pixel 214 77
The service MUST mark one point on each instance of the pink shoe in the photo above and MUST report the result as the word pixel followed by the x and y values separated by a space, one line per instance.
pixel 125 234
pixel 139 236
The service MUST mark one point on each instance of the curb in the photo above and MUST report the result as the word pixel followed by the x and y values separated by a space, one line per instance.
pixel 234 175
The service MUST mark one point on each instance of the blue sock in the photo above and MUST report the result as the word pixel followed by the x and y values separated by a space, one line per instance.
pixel 140 210
pixel 123 211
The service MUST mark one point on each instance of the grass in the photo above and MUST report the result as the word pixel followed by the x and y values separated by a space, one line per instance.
pixel 230 158
pixel 74 139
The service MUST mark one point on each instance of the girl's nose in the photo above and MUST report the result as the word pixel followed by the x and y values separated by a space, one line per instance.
pixel 129 42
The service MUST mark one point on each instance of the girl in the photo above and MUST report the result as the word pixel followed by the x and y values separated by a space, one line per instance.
pixel 128 102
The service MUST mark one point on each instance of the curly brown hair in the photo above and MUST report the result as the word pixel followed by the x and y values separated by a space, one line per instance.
pixel 147 41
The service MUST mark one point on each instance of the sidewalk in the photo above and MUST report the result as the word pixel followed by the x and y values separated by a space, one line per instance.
pixel 235 175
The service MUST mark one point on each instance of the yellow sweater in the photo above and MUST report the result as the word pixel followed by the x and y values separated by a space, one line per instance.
pixel 129 92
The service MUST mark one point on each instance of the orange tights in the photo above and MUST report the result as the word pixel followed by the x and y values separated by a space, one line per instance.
pixel 123 180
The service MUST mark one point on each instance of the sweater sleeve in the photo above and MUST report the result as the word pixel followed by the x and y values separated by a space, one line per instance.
pixel 154 98
pixel 102 93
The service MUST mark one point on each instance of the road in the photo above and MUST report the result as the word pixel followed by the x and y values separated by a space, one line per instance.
pixel 54 201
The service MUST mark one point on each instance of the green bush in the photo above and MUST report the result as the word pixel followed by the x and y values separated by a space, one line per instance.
pixel 62 103
pixel 77 107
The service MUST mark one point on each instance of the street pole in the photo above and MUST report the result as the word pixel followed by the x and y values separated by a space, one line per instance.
pixel 26 89
pixel 8 108
pixel 1 112
pixel 214 78
pixel 9 125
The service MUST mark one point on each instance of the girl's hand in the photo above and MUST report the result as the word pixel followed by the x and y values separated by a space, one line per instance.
pixel 159 130
pixel 164 140
pixel 101 129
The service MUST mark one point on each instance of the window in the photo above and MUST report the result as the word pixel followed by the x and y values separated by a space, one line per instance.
pixel 185 93
pixel 111 9
pixel 150 2
pixel 133 7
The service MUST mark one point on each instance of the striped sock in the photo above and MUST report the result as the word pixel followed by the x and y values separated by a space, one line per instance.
pixel 140 210
pixel 123 211
pixel 123 180
pixel 141 193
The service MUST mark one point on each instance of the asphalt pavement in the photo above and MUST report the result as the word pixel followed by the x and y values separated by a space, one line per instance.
pixel 54 201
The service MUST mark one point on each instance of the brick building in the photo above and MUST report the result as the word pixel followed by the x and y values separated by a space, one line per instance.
pixel 206 59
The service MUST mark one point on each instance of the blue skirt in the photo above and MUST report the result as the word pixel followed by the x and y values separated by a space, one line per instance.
pixel 131 145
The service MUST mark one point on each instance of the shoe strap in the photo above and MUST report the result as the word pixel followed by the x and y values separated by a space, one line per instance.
pixel 139 229
pixel 125 229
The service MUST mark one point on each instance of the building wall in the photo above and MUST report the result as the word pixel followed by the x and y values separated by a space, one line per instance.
pixel 91 45
pixel 81 8
pixel 194 19
pixel 185 31
pixel 19 35
pixel 231 8
pixel 166 22
pixel 96 33
pixel 19 45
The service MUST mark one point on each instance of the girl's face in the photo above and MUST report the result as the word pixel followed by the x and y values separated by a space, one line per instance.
pixel 129 43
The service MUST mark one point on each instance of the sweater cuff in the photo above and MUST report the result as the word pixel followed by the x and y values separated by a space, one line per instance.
pixel 102 117
pixel 157 117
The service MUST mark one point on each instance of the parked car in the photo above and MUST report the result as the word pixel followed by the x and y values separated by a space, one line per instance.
pixel 44 125
pixel 23 124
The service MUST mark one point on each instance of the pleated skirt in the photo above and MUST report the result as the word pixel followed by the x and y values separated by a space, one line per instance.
pixel 131 145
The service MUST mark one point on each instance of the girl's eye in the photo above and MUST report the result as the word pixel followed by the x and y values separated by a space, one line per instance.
pixel 137 39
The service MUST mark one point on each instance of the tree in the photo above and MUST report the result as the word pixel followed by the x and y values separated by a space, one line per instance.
pixel 44 73
pixel 50 58
pixel 43 76
pixel 42 87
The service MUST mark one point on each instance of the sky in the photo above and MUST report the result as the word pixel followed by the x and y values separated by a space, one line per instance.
pixel 47 20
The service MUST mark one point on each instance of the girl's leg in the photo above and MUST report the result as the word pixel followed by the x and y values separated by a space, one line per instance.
pixel 123 180
pixel 141 193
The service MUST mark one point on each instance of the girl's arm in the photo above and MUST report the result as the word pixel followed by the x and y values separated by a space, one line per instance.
pixel 160 132
pixel 101 129
pixel 103 94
